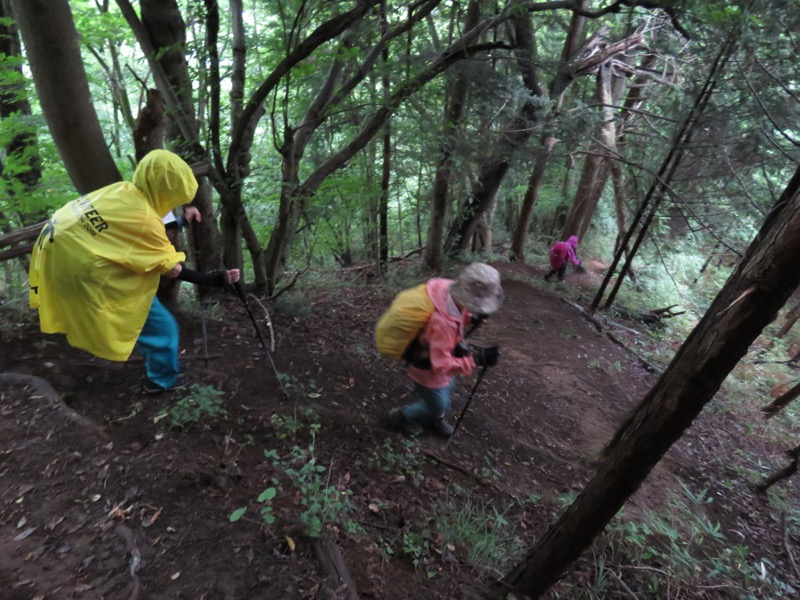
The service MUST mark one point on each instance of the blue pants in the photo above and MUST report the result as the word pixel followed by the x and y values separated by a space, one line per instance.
pixel 158 344
pixel 432 404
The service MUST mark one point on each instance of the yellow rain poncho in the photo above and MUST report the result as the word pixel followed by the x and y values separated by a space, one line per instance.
pixel 96 265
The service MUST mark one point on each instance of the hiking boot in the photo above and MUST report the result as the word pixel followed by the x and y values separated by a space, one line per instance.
pixel 442 427
pixel 401 422
pixel 151 387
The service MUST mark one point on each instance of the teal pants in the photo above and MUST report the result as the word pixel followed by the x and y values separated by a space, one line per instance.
pixel 158 344
pixel 433 404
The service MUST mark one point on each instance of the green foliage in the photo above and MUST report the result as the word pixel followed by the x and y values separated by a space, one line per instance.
pixel 202 403
pixel 390 458
pixel 683 547
pixel 483 532
pixel 323 503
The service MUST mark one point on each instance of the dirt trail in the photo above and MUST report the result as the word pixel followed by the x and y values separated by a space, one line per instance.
pixel 125 508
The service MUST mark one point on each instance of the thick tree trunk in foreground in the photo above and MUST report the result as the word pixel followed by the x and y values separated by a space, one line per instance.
pixel 760 286
pixel 54 56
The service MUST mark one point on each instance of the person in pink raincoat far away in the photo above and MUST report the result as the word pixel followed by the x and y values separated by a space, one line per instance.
pixel 561 254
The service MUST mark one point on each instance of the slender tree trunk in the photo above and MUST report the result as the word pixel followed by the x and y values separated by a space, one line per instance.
pixel 454 109
pixel 791 319
pixel 54 55
pixel 596 163
pixel 761 284
pixel 782 401
pixel 658 188
pixel 166 31
pixel 386 160
pixel 572 44
pixel 531 197
pixel 783 473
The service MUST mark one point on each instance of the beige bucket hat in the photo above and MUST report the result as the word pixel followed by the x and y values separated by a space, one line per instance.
pixel 477 289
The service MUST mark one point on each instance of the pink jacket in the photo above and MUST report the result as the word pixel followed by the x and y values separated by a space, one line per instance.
pixel 563 251
pixel 443 331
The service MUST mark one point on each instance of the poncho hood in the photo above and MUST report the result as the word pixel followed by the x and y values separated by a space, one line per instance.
pixel 166 181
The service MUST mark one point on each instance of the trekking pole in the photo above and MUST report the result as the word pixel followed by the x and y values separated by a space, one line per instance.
pixel 466 406
pixel 239 291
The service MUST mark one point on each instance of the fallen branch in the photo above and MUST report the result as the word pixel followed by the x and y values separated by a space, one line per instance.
pixel 454 466
pixel 603 329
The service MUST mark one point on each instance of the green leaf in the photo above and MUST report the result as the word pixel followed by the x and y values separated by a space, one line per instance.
pixel 237 514
pixel 267 494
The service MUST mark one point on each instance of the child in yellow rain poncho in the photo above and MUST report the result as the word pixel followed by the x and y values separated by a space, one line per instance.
pixel 96 266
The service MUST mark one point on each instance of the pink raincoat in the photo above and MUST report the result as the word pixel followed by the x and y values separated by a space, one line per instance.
pixel 563 251
pixel 444 330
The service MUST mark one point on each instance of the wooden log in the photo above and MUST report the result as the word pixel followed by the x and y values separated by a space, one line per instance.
pixel 332 564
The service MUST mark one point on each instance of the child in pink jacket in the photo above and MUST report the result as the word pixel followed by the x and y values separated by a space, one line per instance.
pixel 475 293
pixel 561 254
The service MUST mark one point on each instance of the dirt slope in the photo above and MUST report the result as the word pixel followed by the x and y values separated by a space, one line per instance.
pixel 101 499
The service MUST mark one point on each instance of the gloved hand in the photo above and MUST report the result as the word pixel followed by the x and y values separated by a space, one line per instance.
pixel 486 357
pixel 477 319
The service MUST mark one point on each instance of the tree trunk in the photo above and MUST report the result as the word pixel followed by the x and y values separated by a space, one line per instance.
pixel 54 56
pixel 658 188
pixel 759 287
pixel 21 151
pixel 166 31
pixel 596 163
pixel 572 45
pixel 791 319
pixel 783 473
pixel 511 138
pixel 386 160
pixel 454 109
pixel 782 401
pixel 531 197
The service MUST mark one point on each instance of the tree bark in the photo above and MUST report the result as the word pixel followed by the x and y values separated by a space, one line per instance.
pixel 783 473
pixel 596 165
pixel 791 319
pixel 454 109
pixel 166 32
pixel 23 146
pixel 782 401
pixel 386 160
pixel 761 284
pixel 572 44
pixel 54 55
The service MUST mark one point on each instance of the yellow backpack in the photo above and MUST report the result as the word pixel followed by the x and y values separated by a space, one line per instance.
pixel 405 318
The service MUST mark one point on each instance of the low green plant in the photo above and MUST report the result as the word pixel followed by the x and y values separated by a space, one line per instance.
pixel 481 530
pixel 415 547
pixel 322 502
pixel 688 550
pixel 265 510
pixel 202 403
pixel 390 458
